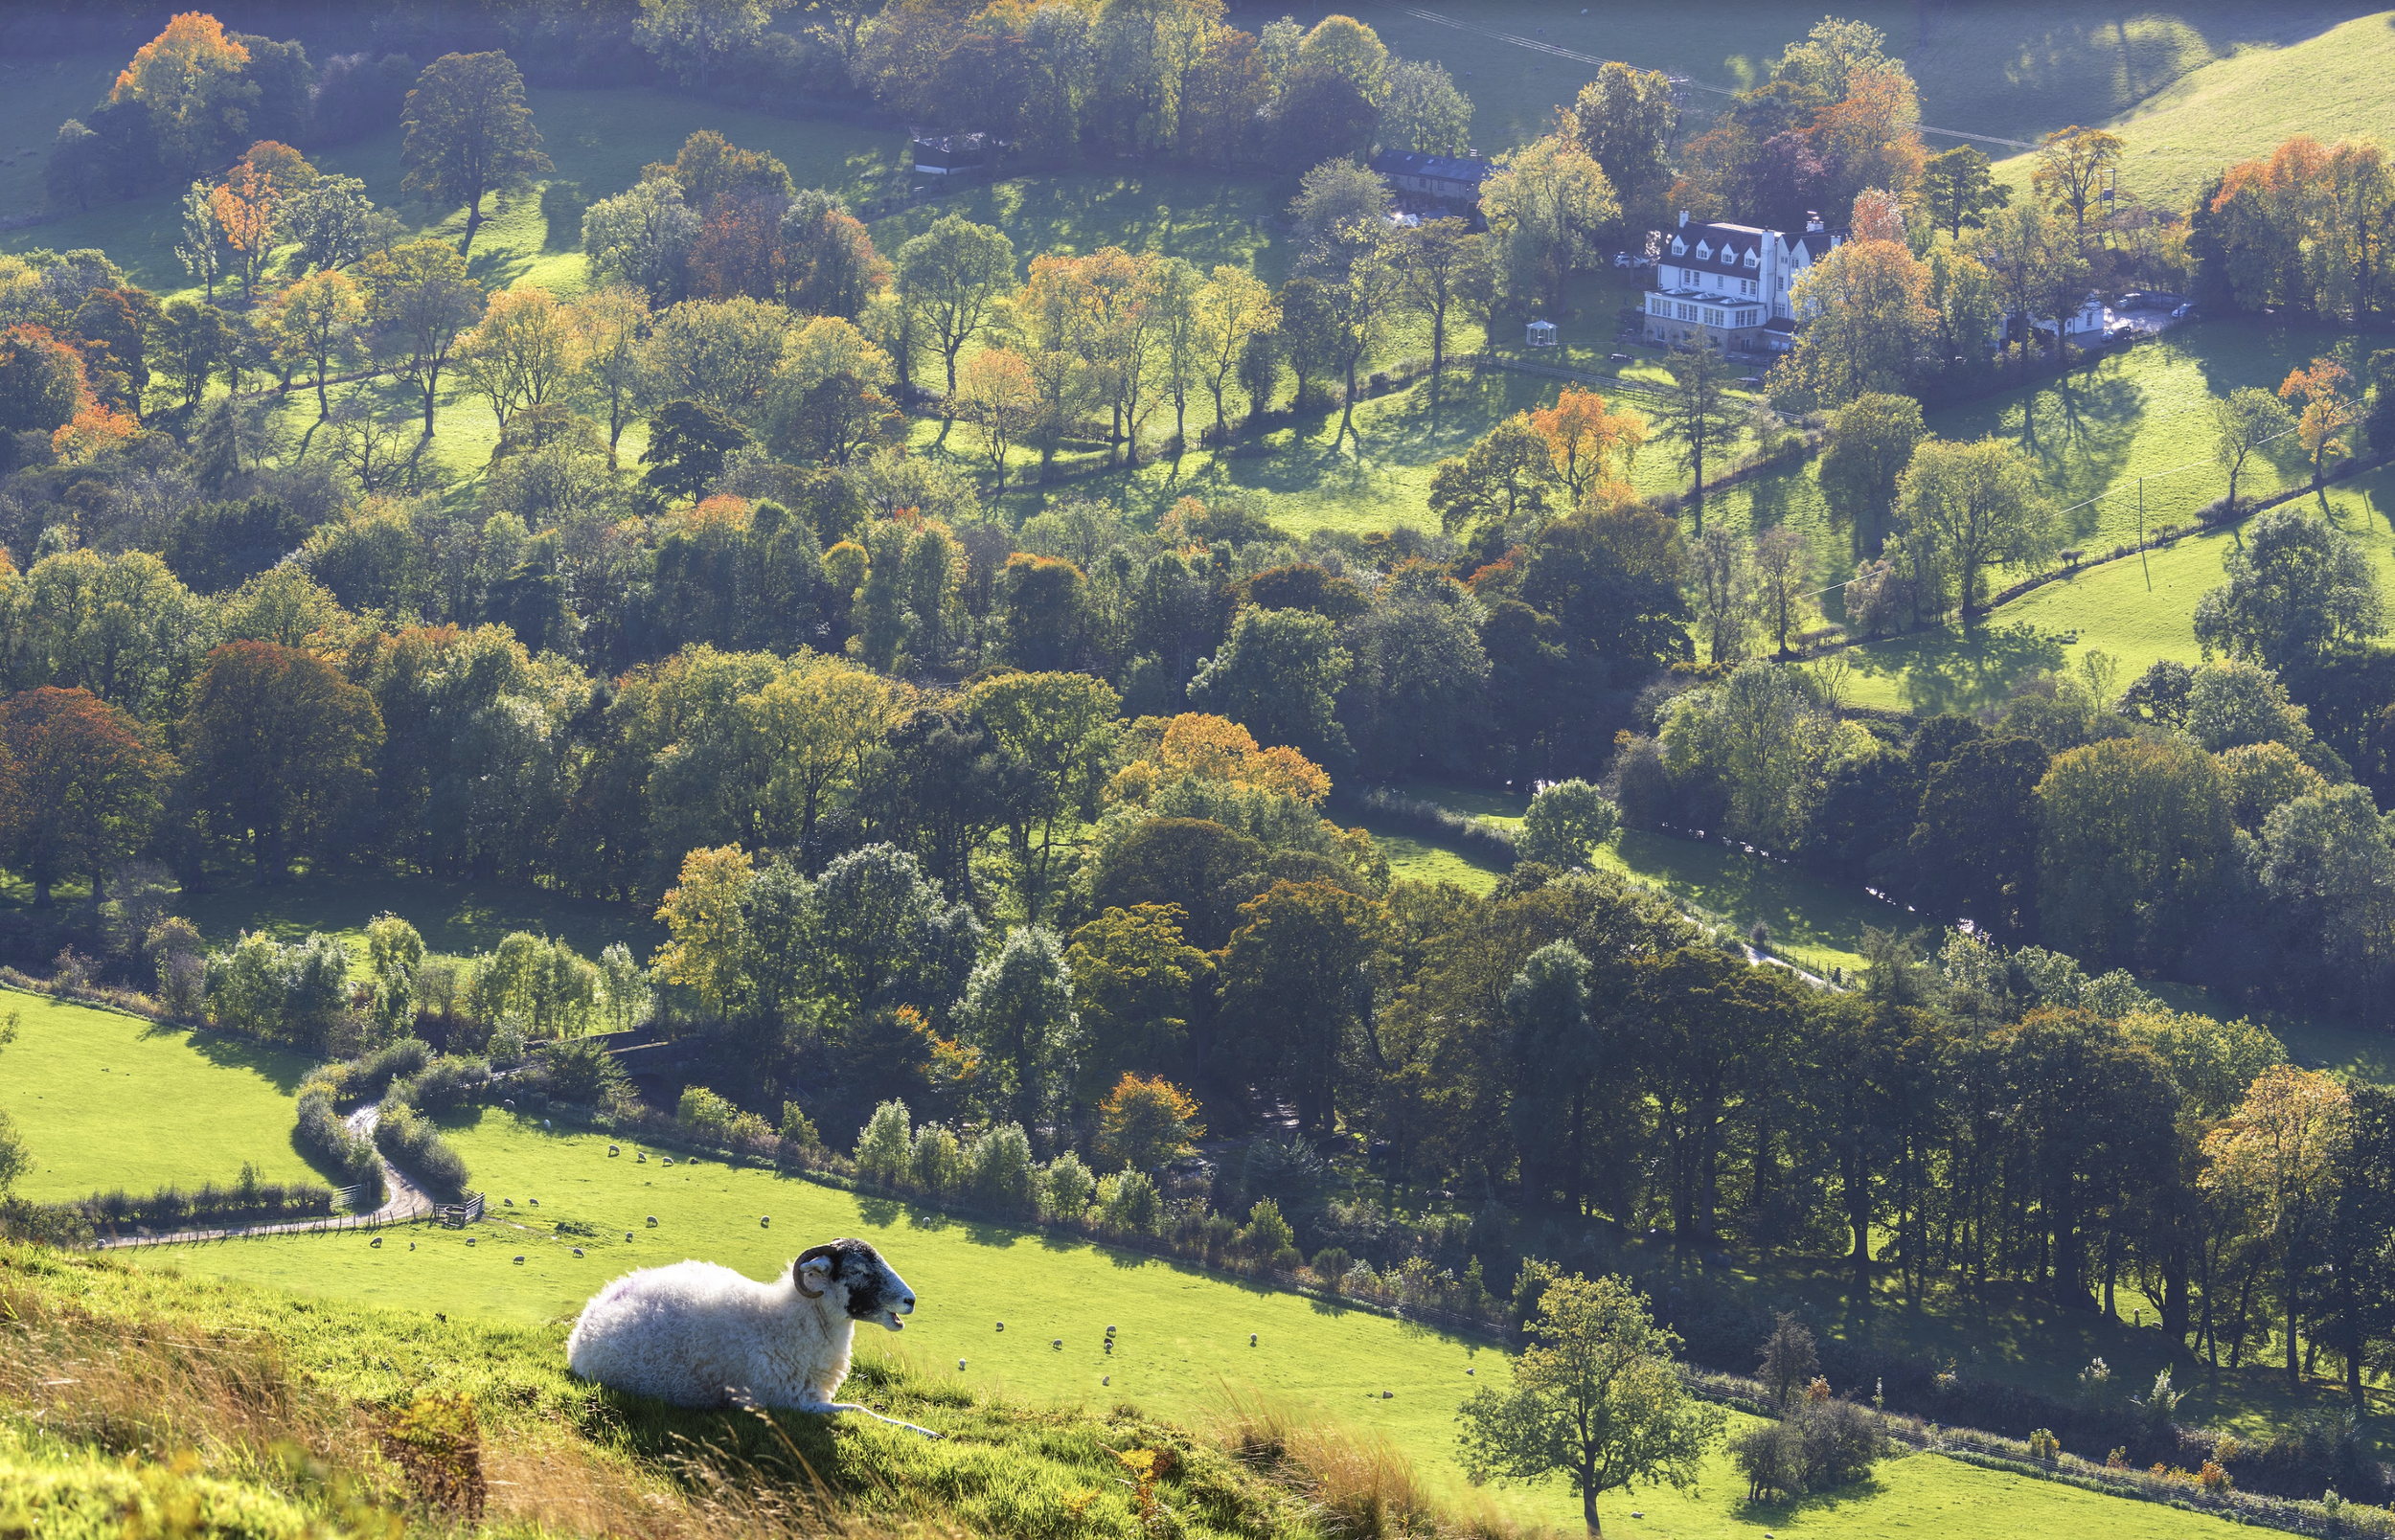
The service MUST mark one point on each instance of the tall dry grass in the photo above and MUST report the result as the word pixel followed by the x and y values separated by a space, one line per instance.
pixel 1360 1484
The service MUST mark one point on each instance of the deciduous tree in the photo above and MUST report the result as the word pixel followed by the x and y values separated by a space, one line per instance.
pixel 278 749
pixel 1695 412
pixel 469 134
pixel 2277 1150
pixel 1146 1123
pixel 1596 1399
pixel 2298 590
pixel 953 277
pixel 1977 505
pixel 80 783
pixel 1960 189
pixel 317 320
pixel 2075 166
pixel 418 301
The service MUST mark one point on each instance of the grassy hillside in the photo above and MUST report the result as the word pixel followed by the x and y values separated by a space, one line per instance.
pixel 2016 71
pixel 273 1415
pixel 2331 85
pixel 357 1323
pixel 105 1100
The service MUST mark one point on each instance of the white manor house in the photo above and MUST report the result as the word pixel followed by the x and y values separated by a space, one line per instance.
pixel 1732 282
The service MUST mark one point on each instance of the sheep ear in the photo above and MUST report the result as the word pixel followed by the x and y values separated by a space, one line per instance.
pixel 812 1270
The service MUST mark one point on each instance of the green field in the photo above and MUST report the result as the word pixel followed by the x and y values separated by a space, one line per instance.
pixel 456 917
pixel 1184 1331
pixel 108 1100
pixel 2137 609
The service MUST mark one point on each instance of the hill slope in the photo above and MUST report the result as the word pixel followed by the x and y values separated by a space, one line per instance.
pixel 2331 85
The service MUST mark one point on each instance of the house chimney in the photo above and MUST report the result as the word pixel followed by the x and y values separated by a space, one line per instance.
pixel 1813 222
pixel 1683 219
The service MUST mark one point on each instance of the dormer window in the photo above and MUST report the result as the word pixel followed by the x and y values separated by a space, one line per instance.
pixel 1704 252
pixel 1680 247
pixel 1729 258
pixel 1751 259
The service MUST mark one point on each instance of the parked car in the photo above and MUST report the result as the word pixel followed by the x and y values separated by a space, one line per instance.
pixel 1623 258
pixel 2133 300
pixel 2182 312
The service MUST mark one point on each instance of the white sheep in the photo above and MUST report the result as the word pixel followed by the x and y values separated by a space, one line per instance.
pixel 698 1334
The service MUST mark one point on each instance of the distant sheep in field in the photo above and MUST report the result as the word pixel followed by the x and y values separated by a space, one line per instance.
pixel 698 1334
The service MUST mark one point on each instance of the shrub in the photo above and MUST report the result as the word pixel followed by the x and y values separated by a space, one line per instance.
pixel 1065 1187
pixel 1331 1264
pixel 448 1082
pixel 938 1162
pixel 1566 821
pixel 797 1129
pixel 749 1128
pixel 1128 1201
pixel 2042 1444
pixel 581 1070
pixel 1841 1443
pixel 413 1143
pixel 885 1146
pixel 1267 1234
pixel 998 1169
pixel 704 1111
pixel 1771 1457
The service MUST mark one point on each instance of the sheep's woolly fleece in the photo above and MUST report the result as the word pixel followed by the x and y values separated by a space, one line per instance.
pixel 702 1335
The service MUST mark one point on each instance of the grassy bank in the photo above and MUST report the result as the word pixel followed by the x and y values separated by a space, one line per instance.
pixel 106 1100
pixel 1183 1333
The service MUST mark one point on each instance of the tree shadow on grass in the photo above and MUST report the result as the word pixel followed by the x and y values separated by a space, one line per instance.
pixel 1945 670
pixel 1783 1511
pixel 280 1067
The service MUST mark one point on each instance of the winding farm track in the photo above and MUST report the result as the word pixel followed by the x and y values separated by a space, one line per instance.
pixel 407 1202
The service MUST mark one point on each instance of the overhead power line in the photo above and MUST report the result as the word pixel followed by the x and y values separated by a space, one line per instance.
pixel 1558 51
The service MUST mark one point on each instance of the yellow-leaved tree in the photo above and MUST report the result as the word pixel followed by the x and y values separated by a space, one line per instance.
pixel 702 915
pixel 2276 1151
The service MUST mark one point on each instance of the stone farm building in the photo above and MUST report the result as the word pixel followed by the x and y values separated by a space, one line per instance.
pixel 1732 282
pixel 1433 182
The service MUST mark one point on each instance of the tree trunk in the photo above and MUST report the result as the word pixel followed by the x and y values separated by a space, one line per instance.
pixel 2294 1376
pixel 1588 1495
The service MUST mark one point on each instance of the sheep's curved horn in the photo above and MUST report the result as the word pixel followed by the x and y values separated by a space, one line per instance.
pixel 797 1275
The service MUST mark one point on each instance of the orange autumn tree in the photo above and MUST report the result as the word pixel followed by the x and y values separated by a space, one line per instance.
pixel 1198 746
pixel 247 202
pixel 1591 446
pixel 186 77
pixel 2327 410
pixel 1145 1123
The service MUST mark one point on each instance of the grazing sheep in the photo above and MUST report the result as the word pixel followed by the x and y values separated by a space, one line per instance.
pixel 375 1244
pixel 698 1334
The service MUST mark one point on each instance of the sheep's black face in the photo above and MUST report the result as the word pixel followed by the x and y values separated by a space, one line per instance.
pixel 873 1289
